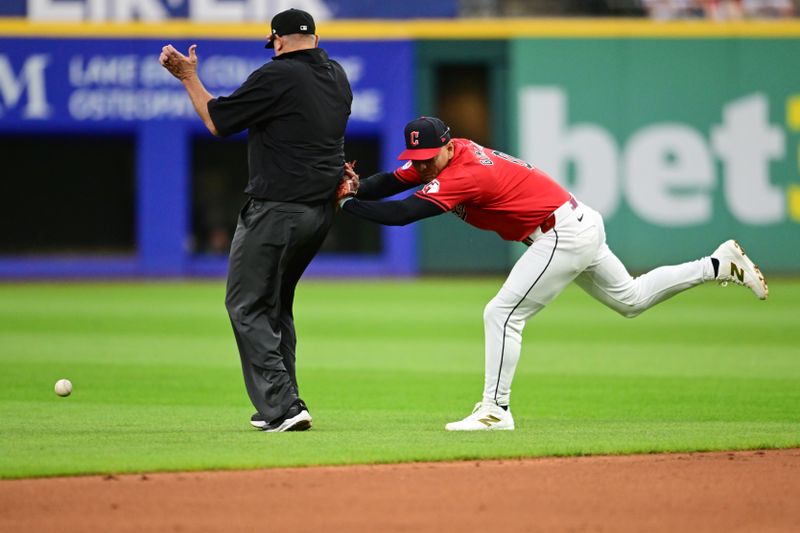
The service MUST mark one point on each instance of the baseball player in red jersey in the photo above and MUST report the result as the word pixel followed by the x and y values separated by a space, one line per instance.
pixel 566 242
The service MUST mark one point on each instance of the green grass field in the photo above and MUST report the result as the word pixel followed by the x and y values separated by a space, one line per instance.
pixel 383 366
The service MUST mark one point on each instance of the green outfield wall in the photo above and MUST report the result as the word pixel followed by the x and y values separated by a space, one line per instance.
pixel 679 143
pixel 681 135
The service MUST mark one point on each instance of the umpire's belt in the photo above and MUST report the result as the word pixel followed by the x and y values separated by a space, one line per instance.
pixel 549 223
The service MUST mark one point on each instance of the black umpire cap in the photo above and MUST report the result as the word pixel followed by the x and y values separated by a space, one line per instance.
pixel 289 22
pixel 425 136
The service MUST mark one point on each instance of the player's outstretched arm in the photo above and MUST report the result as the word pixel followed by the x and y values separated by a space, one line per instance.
pixel 185 69
pixel 394 213
pixel 381 185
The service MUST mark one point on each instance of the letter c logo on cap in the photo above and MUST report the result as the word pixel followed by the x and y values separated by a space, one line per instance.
pixel 413 138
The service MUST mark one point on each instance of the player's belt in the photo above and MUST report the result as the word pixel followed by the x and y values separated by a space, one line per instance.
pixel 549 223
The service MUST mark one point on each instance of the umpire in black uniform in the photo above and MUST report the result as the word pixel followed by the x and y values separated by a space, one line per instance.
pixel 295 109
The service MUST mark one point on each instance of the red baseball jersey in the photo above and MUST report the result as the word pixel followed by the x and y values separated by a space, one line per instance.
pixel 491 190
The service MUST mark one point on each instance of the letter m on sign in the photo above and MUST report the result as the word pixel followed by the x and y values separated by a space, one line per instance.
pixel 738 272
pixel 31 80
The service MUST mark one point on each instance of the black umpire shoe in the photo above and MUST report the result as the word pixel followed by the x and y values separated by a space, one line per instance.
pixel 258 422
pixel 297 418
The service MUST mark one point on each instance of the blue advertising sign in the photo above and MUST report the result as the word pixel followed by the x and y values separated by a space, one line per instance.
pixel 50 85
pixel 218 11
pixel 77 83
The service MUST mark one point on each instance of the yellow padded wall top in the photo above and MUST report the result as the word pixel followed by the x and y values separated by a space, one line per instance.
pixel 422 29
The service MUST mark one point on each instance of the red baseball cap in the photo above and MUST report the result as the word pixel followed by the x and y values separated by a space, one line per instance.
pixel 425 136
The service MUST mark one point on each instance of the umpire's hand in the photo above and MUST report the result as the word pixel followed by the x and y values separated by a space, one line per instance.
pixel 177 64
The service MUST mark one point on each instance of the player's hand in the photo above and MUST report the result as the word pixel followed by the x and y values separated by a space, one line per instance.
pixel 177 64
pixel 350 174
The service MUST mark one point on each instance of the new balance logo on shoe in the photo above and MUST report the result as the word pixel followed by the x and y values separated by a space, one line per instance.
pixel 738 272
pixel 489 420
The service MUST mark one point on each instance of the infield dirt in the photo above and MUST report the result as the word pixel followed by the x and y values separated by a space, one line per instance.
pixel 713 492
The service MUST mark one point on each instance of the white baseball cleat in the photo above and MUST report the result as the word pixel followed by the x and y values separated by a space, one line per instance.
pixel 735 266
pixel 485 416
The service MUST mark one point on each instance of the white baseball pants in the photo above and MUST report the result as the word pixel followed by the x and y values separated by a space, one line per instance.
pixel 575 249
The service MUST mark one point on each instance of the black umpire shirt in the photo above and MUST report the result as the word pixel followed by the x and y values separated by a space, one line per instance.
pixel 296 108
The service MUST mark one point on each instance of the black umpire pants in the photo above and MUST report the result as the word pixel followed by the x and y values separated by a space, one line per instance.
pixel 273 244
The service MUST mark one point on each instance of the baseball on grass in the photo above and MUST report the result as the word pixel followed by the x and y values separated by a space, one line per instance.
pixel 63 387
